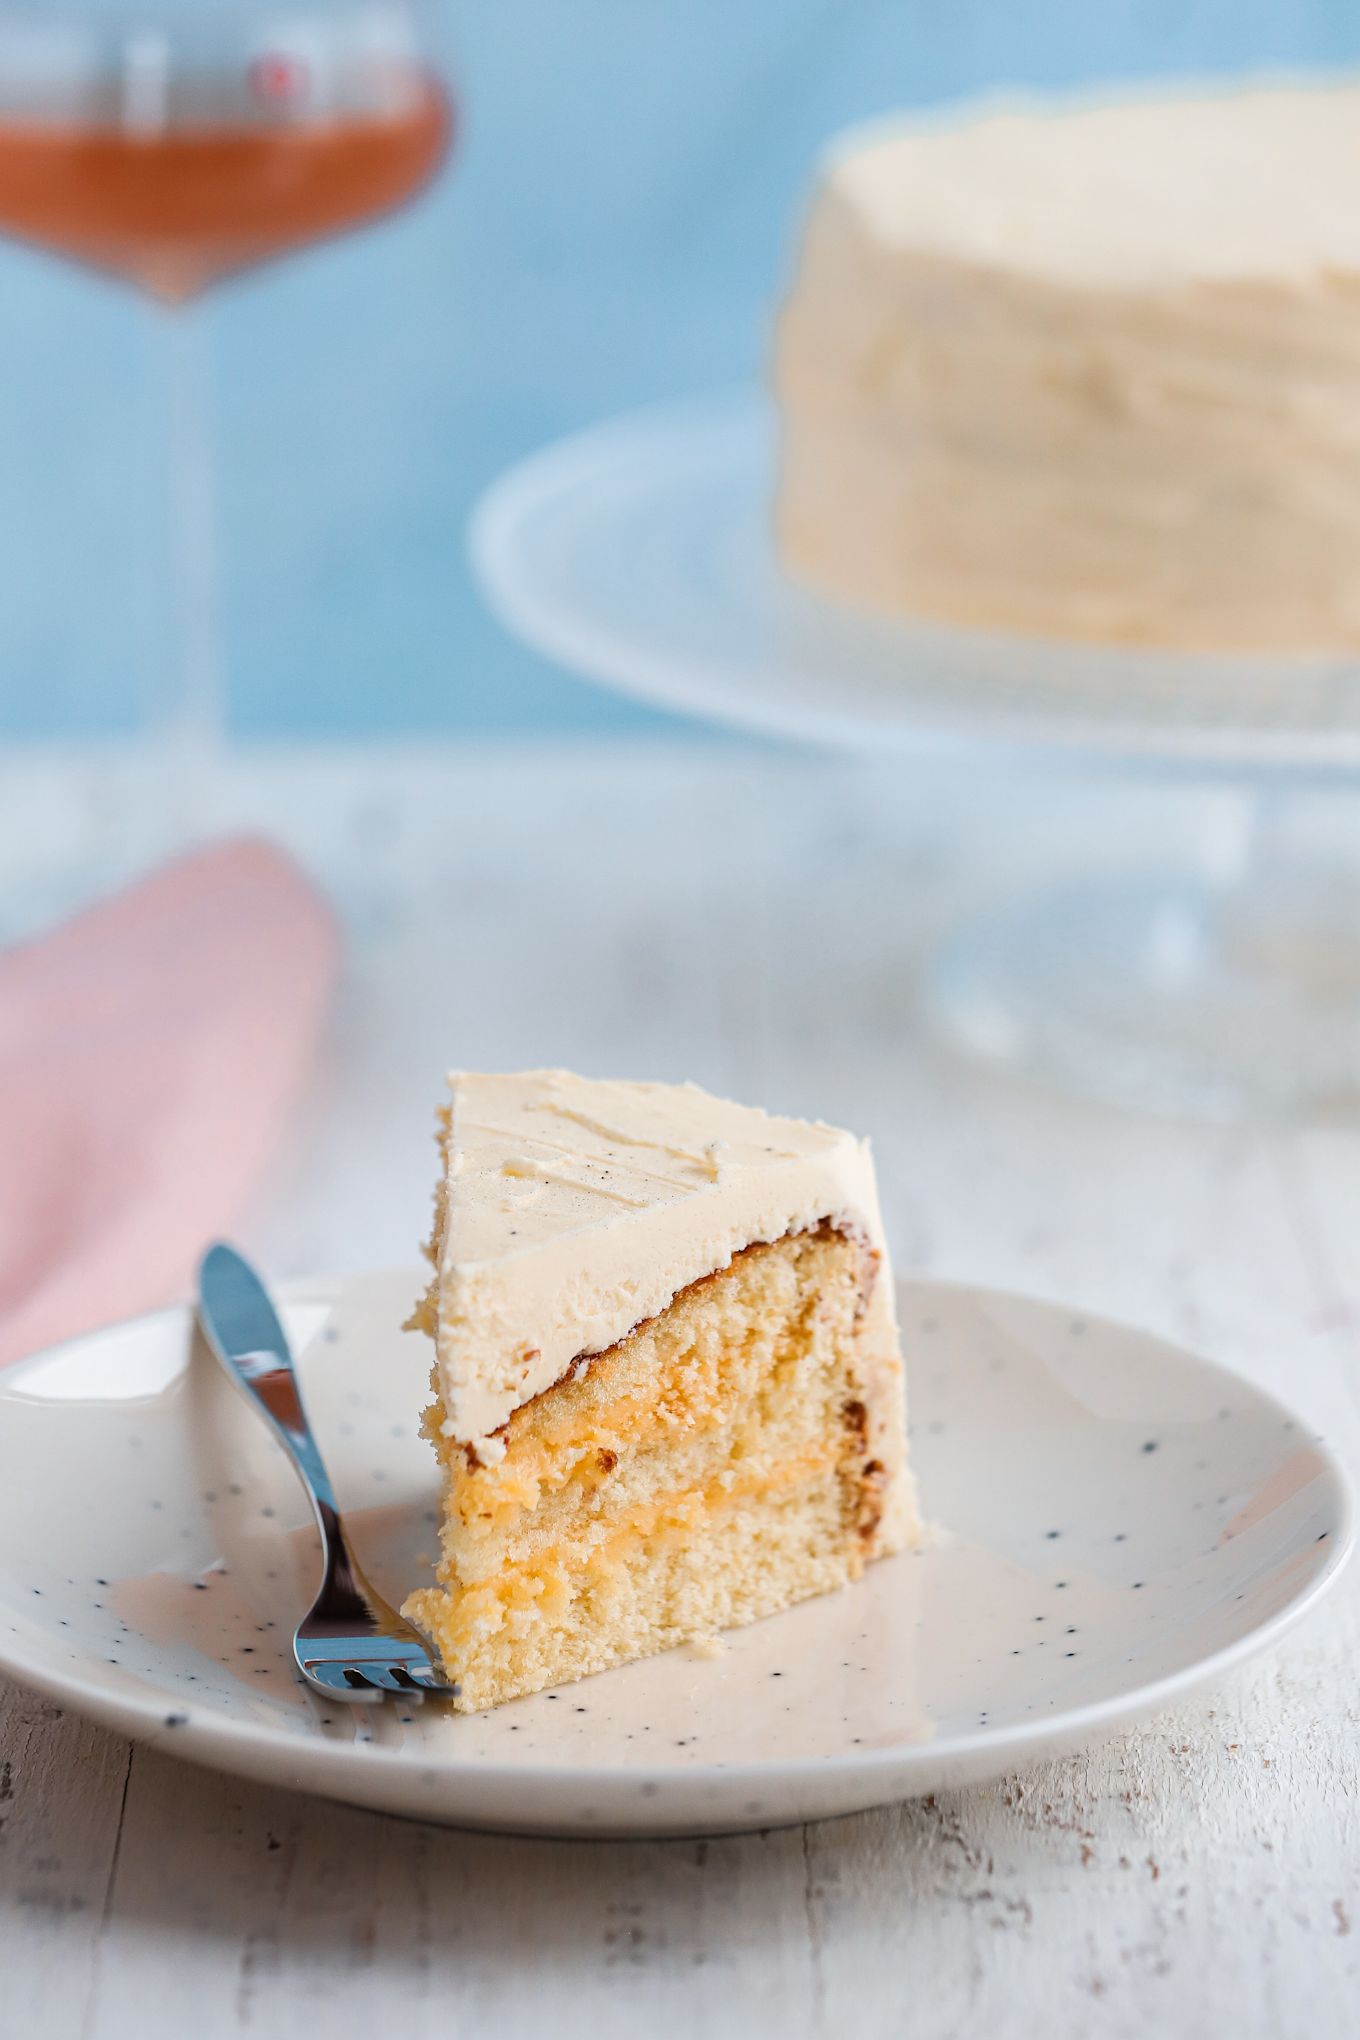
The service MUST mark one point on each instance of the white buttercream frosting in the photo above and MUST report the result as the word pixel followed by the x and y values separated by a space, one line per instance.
pixel 1256 182
pixel 577 1209
pixel 1085 371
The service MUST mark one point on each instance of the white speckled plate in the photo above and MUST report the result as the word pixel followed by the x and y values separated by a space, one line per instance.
pixel 1123 1522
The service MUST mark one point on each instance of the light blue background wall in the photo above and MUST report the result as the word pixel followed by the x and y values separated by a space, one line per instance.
pixel 614 228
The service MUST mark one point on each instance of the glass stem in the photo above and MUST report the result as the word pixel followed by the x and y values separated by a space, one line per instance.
pixel 187 714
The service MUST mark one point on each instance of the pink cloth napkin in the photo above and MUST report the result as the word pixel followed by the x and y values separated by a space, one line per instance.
pixel 149 1052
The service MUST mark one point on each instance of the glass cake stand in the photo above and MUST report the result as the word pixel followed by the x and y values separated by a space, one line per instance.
pixel 639 554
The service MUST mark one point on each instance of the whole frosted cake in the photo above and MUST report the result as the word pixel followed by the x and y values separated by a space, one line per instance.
pixel 667 1387
pixel 1086 372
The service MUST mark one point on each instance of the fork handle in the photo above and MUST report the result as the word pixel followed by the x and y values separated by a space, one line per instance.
pixel 245 1335
pixel 269 1380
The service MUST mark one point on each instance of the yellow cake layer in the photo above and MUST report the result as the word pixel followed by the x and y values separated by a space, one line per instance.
pixel 708 1469
pixel 757 1556
pixel 551 1577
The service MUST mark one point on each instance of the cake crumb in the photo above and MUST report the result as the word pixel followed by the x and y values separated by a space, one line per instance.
pixel 707 1647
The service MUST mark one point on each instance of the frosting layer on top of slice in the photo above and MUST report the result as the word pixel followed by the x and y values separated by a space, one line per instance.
pixel 572 1210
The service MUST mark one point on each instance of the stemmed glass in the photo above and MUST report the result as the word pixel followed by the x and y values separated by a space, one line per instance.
pixel 176 145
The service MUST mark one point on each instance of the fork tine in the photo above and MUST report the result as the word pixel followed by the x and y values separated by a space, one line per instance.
pixel 330 1679
pixel 359 1667
pixel 370 1679
pixel 322 1674
pixel 425 1679
pixel 379 1675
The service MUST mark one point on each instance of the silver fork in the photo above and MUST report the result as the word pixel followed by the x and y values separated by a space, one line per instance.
pixel 342 1647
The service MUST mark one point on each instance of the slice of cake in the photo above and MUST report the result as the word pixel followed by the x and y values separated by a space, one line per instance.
pixel 1085 371
pixel 667 1387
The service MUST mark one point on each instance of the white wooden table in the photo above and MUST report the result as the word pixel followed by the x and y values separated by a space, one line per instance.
pixel 755 922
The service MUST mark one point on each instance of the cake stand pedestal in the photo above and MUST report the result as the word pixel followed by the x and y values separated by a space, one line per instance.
pixel 639 554
pixel 1218 991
